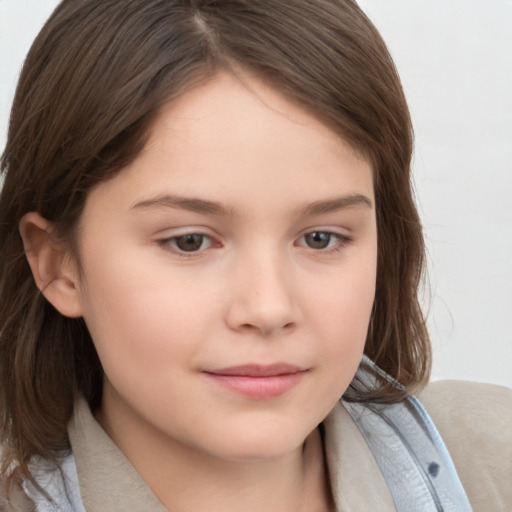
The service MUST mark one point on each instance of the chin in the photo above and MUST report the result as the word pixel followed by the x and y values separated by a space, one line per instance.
pixel 258 444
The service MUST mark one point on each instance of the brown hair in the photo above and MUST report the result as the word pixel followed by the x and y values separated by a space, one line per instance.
pixel 91 85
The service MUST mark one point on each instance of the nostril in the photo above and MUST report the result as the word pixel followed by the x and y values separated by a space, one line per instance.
pixel 267 330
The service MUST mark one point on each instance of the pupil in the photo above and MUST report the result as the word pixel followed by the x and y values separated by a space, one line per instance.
pixel 318 240
pixel 189 243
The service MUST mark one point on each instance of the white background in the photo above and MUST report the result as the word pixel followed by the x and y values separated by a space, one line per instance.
pixel 455 59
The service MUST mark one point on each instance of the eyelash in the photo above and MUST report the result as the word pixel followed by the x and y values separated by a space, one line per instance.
pixel 168 244
pixel 341 241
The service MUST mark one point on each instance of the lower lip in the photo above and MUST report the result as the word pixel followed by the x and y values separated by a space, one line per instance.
pixel 271 386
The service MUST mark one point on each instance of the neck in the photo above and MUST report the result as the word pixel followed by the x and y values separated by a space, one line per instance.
pixel 188 480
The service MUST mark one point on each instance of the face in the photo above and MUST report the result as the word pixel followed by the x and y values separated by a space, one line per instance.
pixel 229 274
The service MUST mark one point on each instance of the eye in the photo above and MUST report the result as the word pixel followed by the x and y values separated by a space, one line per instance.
pixel 318 239
pixel 191 242
pixel 324 240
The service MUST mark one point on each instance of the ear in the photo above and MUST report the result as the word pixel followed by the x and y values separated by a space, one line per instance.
pixel 53 268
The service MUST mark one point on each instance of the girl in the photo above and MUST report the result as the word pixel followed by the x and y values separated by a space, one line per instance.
pixel 209 238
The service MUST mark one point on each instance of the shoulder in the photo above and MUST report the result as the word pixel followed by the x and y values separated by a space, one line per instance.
pixel 481 413
pixel 475 421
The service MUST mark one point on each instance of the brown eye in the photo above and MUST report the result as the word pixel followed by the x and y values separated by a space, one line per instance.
pixel 318 239
pixel 189 243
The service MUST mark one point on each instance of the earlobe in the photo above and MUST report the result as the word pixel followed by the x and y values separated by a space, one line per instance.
pixel 54 271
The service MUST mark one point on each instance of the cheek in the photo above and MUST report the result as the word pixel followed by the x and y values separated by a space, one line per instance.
pixel 136 313
pixel 338 326
pixel 346 298
pixel 342 314
pixel 344 322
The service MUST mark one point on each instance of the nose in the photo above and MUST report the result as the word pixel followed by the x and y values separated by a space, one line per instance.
pixel 263 298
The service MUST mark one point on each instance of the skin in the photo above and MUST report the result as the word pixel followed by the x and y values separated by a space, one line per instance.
pixel 258 289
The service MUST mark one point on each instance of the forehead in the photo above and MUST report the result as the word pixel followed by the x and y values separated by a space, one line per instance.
pixel 233 140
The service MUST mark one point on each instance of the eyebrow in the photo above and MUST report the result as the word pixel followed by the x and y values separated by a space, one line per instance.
pixel 191 204
pixel 335 204
pixel 206 207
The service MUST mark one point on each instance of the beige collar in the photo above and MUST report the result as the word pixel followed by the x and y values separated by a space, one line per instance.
pixel 109 483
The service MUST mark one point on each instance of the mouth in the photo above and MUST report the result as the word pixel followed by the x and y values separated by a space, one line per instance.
pixel 258 381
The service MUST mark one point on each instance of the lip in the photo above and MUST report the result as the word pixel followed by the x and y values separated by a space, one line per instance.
pixel 258 381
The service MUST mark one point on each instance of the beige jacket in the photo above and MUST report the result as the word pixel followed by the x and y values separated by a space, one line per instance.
pixel 475 421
